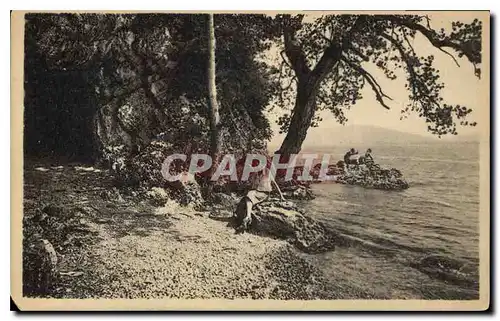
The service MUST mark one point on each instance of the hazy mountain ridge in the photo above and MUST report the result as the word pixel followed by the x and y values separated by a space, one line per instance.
pixel 366 135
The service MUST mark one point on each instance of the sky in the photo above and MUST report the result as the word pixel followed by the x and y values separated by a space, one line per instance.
pixel 461 87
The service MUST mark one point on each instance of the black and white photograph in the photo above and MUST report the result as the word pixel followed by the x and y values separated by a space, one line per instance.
pixel 314 157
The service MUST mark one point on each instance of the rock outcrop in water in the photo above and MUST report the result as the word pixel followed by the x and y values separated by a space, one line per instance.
pixel 449 269
pixel 365 175
pixel 285 219
pixel 372 176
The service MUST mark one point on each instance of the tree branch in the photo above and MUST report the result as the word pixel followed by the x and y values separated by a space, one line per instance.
pixel 294 78
pixel 285 59
pixel 379 94
pixel 329 58
pixel 294 51
pixel 359 53
pixel 411 70
pixel 408 42
pixel 403 55
pixel 333 53
pixel 428 20
pixel 433 38
pixel 449 54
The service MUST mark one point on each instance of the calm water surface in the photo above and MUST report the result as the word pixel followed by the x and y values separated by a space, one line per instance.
pixel 438 214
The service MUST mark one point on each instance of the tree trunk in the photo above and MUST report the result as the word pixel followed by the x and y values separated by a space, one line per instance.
pixel 309 82
pixel 303 113
pixel 212 93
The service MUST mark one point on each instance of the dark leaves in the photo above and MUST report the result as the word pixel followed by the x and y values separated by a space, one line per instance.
pixel 387 42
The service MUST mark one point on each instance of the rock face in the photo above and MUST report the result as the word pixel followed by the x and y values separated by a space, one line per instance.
pixel 284 220
pixel 123 125
pixel 372 176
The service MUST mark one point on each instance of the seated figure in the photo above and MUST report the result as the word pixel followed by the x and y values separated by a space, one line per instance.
pixel 262 186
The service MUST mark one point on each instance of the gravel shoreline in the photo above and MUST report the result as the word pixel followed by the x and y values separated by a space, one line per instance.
pixel 195 257
pixel 127 248
pixel 118 245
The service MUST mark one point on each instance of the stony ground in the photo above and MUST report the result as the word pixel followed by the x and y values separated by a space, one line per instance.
pixel 132 249
pixel 122 244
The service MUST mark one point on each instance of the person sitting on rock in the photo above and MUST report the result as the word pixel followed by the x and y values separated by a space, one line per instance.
pixel 367 158
pixel 348 160
pixel 347 156
pixel 261 188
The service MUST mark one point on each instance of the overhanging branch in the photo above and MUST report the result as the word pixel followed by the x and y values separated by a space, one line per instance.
pixel 431 35
pixel 404 57
pixel 359 53
pixel 414 80
pixel 435 40
pixel 379 94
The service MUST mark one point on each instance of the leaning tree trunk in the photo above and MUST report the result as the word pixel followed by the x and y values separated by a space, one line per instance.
pixel 213 104
pixel 307 89
pixel 305 107
pixel 303 113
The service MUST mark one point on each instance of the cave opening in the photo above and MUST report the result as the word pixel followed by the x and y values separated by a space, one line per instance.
pixel 59 107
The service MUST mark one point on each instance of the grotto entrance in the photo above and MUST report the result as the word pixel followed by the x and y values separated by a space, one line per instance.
pixel 59 107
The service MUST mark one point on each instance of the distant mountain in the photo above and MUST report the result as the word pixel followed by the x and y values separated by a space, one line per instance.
pixel 469 138
pixel 362 135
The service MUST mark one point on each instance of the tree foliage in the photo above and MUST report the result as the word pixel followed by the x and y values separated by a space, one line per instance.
pixel 160 60
pixel 333 52
pixel 156 65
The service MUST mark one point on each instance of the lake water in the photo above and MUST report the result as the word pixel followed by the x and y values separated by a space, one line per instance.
pixel 438 214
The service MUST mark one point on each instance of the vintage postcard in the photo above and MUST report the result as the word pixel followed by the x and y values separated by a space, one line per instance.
pixel 250 160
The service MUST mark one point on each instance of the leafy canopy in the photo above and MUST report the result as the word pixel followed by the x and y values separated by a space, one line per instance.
pixel 384 41
pixel 164 55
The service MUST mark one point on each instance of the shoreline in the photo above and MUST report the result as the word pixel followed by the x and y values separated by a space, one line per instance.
pixel 129 248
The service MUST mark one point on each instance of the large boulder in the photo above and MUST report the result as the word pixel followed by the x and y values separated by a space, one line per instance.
pixel 146 168
pixel 187 191
pixel 39 266
pixel 285 220
pixel 224 200
pixel 158 196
